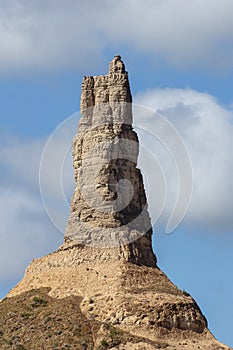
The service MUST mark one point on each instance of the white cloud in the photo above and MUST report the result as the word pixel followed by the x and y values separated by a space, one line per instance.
pixel 206 128
pixel 56 34
pixel 21 159
pixel 26 231
pixel 47 34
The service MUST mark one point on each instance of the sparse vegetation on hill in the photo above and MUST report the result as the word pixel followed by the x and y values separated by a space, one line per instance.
pixel 34 321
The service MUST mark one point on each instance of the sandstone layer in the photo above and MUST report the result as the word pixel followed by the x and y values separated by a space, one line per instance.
pixel 106 261
pixel 139 301
pixel 109 206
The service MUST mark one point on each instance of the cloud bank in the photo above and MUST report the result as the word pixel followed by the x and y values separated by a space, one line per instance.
pixel 42 35
pixel 26 231
pixel 206 128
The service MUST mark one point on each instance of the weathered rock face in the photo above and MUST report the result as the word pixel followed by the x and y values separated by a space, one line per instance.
pixel 104 277
pixel 109 206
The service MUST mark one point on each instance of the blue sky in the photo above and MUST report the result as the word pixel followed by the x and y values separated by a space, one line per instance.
pixel 179 56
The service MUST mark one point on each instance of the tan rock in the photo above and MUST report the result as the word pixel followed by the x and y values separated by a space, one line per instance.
pixel 107 257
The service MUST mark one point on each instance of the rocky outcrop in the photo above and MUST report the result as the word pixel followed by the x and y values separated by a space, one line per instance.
pixel 106 268
pixel 109 206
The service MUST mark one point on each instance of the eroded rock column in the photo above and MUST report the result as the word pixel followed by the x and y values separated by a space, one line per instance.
pixel 109 206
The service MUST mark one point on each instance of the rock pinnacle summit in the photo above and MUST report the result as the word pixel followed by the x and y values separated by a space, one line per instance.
pixel 109 206
pixel 102 288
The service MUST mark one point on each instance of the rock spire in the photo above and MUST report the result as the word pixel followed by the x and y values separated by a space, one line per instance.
pixel 109 206
pixel 102 289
